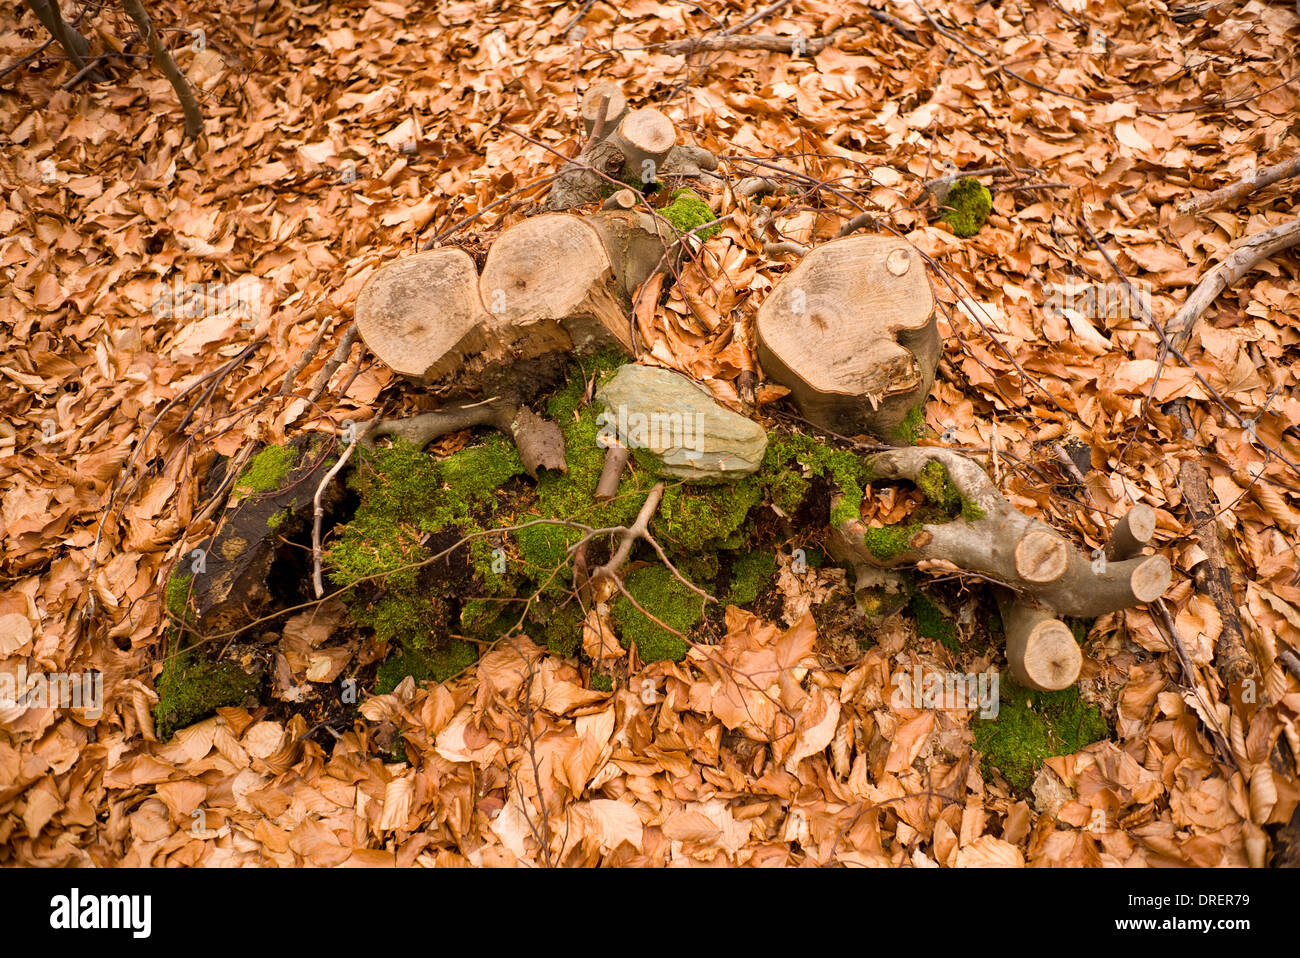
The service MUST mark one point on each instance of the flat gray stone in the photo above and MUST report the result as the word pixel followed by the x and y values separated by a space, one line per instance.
pixel 680 423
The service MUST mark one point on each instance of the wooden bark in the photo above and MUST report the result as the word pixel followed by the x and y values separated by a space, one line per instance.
pixel 1236 192
pixel 1010 547
pixel 1253 251
pixel 1231 658
pixel 618 146
pixel 1041 649
pixel 851 332
pixel 615 105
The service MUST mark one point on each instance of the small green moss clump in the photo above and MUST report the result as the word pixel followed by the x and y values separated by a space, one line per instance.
pixel 428 665
pixel 912 427
pixel 969 204
pixel 191 688
pixel 889 541
pixel 688 212
pixel 266 470
pixel 658 591
pixel 177 595
pixel 1032 726
pixel 931 624
pixel 277 518
pixel 600 682
pixel 750 575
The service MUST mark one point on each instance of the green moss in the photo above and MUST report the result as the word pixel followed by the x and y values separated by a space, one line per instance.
pixel 750 576
pixel 694 519
pixel 912 427
pixel 934 483
pixel 600 682
pixel 563 631
pixel 277 518
pixel 1032 726
pixel 403 619
pixel 688 212
pixel 931 624
pixel 969 204
pixel 191 688
pixel 889 541
pixel 658 591
pixel 177 595
pixel 266 470
pixel 430 665
pixel 791 459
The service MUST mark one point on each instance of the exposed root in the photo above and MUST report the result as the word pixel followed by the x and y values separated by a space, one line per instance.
pixel 540 442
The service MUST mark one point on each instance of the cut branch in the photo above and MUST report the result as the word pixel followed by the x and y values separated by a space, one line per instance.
pixel 1049 576
pixel 615 462
pixel 540 442
pixel 1041 649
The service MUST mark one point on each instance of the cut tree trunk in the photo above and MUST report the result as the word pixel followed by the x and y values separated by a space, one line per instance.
pixel 1047 575
pixel 851 332
pixel 552 284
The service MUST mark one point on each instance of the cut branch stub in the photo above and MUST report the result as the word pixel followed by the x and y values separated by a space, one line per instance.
pixel 998 542
pixel 615 105
pixel 645 137
pixel 851 333
pixel 1041 649
pixel 636 146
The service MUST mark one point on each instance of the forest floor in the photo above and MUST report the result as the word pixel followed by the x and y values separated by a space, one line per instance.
pixel 340 136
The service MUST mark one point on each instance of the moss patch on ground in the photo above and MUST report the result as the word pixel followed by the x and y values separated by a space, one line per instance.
pixel 751 574
pixel 1032 726
pixel 177 595
pixel 932 624
pixel 792 460
pixel 969 203
pixel 657 591
pixel 191 687
pixel 429 665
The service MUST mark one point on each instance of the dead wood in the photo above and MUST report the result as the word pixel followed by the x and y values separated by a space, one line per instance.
pixel 1234 193
pixel 1249 254
pixel 1048 576
pixel 1231 658
pixel 851 332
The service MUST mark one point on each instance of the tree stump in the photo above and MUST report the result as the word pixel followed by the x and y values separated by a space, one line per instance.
pixel 851 333
pixel 552 286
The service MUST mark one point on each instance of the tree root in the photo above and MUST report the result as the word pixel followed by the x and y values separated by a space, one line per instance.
pixel 540 442
pixel 1047 576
